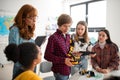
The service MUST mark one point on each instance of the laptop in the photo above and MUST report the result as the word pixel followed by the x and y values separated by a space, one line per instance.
pixel 40 40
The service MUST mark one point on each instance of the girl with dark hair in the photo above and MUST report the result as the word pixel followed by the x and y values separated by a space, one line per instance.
pixel 28 55
pixel 23 28
pixel 106 58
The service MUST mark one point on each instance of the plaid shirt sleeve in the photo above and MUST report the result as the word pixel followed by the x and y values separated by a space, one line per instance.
pixel 49 52
pixel 94 60
pixel 114 62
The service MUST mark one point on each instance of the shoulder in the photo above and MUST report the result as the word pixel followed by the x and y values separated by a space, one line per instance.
pixel 28 75
pixel 96 45
pixel 113 45
pixel 14 31
pixel 33 75
pixel 52 36
pixel 14 28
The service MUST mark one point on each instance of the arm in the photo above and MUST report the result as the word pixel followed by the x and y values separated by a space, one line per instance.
pixel 14 35
pixel 114 61
pixel 49 52
pixel 84 53
pixel 94 60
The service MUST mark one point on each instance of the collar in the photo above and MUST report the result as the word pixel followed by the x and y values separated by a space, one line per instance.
pixel 60 32
pixel 98 46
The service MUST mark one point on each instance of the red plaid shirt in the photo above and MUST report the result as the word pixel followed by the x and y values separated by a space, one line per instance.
pixel 56 51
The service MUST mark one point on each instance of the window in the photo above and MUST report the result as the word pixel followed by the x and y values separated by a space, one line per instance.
pixel 93 12
pixel 78 13
pixel 97 14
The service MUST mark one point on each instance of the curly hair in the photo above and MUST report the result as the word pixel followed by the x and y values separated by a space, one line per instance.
pixel 25 53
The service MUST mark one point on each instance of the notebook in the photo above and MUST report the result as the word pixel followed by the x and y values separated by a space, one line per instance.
pixel 40 40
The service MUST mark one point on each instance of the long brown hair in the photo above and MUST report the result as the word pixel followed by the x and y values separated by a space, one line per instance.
pixel 25 31
pixel 85 35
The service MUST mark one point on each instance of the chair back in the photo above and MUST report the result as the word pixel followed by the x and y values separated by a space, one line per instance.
pixel 45 66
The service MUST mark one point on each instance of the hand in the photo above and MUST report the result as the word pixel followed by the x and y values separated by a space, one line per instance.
pixel 98 69
pixel 68 62
pixel 105 71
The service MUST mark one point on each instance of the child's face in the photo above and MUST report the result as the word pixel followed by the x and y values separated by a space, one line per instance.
pixel 65 27
pixel 80 30
pixel 102 37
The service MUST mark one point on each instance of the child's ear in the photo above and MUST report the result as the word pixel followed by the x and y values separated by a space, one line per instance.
pixel 35 62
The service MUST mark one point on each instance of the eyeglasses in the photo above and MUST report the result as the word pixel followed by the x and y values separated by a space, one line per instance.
pixel 33 17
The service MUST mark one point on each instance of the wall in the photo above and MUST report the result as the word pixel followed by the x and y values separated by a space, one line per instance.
pixel 113 20
pixel 6 72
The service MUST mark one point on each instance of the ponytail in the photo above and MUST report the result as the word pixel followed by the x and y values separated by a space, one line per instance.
pixel 12 52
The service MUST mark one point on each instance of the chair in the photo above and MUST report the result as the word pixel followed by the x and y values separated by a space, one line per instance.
pixel 45 67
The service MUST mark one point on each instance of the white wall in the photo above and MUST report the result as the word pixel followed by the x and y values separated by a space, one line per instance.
pixel 113 20
pixel 6 72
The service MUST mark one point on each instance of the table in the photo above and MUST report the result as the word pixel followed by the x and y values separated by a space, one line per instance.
pixel 77 76
pixel 98 76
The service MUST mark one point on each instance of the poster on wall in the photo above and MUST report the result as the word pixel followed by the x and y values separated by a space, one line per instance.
pixel 5 23
pixel 51 25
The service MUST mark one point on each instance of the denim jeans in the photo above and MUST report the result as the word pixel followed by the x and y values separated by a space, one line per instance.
pixel 58 76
